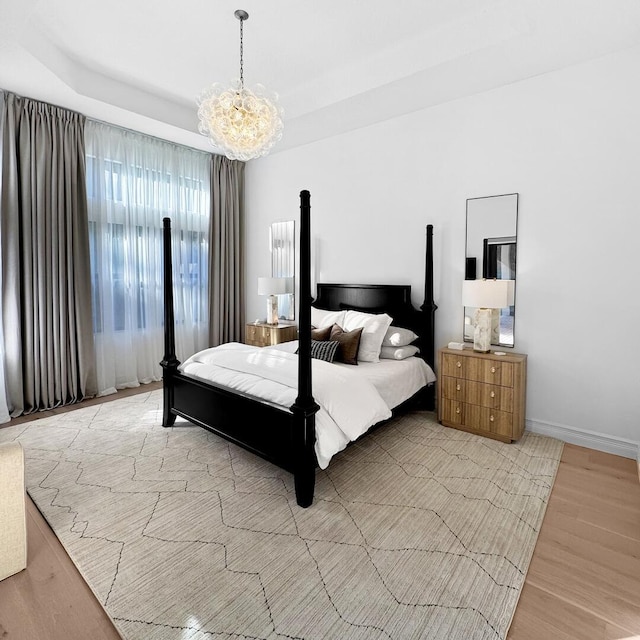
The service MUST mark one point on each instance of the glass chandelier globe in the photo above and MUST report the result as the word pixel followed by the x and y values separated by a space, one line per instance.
pixel 242 122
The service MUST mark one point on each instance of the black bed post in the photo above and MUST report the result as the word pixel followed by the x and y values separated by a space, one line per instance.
pixel 169 362
pixel 304 408
pixel 429 309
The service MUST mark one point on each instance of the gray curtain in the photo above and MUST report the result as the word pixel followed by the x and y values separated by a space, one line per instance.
pixel 46 293
pixel 226 242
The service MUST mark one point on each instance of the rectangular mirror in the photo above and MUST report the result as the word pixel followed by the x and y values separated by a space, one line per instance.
pixel 490 252
pixel 283 257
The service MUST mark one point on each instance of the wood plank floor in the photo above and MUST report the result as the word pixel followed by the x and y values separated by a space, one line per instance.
pixel 50 600
pixel 584 579
pixel 583 582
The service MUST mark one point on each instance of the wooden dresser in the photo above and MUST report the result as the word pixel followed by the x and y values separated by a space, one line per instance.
pixel 482 393
pixel 264 335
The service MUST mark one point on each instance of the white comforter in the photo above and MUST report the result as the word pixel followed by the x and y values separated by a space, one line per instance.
pixel 349 403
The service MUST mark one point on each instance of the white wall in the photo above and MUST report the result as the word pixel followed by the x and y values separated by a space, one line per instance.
pixel 569 143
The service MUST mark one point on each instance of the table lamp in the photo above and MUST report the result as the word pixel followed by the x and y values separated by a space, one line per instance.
pixel 272 287
pixel 485 296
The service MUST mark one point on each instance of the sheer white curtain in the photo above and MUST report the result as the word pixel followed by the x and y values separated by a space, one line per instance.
pixel 133 181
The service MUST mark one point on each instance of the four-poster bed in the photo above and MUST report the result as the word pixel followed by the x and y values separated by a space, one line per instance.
pixel 286 435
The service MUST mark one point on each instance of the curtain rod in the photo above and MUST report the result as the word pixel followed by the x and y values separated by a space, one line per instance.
pixel 110 124
pixel 149 135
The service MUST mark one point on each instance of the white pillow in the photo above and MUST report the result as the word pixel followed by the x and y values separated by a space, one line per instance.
pixel 398 337
pixel 398 353
pixel 321 318
pixel 374 328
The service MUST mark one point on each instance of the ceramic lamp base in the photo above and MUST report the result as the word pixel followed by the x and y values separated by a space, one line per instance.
pixel 272 310
pixel 482 330
pixel 495 326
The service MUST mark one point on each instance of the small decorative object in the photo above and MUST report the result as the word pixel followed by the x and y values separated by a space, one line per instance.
pixel 470 269
pixel 272 287
pixel 243 123
pixel 486 296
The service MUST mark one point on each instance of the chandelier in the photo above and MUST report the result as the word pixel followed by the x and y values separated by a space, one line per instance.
pixel 242 122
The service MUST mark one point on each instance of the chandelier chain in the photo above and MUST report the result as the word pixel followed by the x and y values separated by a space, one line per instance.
pixel 241 53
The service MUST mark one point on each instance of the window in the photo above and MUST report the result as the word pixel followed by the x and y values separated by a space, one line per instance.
pixel 133 182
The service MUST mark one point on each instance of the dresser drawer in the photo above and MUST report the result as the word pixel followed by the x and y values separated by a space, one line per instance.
pixel 482 420
pixel 284 333
pixel 488 395
pixel 489 371
pixel 453 365
pixel 454 388
pixel 257 335
pixel 452 411
pixel 490 421
pixel 264 335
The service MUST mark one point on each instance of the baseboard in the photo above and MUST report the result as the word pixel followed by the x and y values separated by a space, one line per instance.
pixel 589 439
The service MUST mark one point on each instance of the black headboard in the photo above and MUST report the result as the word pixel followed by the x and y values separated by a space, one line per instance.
pixel 393 299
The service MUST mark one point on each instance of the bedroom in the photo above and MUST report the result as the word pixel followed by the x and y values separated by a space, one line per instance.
pixel 565 137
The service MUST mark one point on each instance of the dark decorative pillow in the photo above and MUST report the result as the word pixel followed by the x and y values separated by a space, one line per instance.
pixel 324 349
pixel 320 334
pixel 349 343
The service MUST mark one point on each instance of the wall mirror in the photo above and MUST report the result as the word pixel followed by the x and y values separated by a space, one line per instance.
pixel 491 247
pixel 283 257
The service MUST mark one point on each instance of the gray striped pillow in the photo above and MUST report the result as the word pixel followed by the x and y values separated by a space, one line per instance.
pixel 324 349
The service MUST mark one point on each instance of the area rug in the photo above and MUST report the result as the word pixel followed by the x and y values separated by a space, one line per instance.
pixel 416 531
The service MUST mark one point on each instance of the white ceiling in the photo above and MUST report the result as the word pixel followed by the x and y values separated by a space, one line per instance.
pixel 336 64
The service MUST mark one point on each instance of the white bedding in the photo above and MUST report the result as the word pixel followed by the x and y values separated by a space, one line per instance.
pixel 395 380
pixel 349 403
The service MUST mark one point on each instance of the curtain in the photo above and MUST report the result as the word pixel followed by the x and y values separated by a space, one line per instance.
pixel 226 269
pixel 4 409
pixel 133 181
pixel 48 347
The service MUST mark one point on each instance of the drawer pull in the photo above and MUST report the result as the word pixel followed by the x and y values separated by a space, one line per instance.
pixel 457 409
pixel 493 394
pixel 491 418
pixel 458 364
pixel 457 387
pixel 493 369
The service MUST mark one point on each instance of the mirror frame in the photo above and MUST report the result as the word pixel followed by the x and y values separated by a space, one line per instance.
pixel 282 250
pixel 509 237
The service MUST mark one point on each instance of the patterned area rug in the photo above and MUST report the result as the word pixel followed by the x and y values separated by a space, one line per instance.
pixel 416 531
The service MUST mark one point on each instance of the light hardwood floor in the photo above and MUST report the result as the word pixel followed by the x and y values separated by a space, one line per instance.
pixel 584 578
pixel 583 582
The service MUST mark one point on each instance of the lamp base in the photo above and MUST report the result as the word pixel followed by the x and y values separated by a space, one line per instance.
pixel 272 310
pixel 495 326
pixel 482 330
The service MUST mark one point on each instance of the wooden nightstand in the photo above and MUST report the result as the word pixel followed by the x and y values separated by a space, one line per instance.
pixel 482 393
pixel 264 335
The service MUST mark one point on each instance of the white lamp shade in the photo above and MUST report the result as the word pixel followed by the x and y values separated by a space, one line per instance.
pixel 289 284
pixel 512 292
pixel 272 286
pixel 487 294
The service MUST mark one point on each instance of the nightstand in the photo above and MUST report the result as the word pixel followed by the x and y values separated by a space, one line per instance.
pixel 482 393
pixel 264 335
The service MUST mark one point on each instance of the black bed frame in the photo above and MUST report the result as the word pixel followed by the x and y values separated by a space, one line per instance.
pixel 281 435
